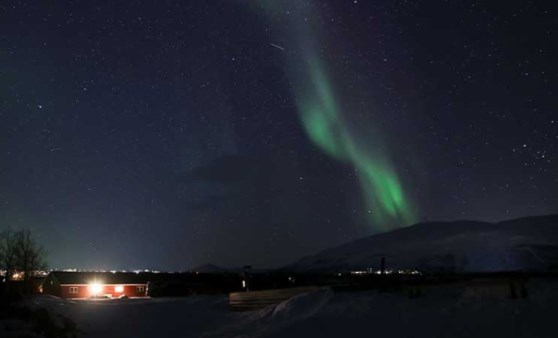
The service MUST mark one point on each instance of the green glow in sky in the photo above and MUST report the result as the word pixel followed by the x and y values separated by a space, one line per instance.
pixel 326 123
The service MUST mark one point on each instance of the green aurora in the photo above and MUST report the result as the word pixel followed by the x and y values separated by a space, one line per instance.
pixel 326 124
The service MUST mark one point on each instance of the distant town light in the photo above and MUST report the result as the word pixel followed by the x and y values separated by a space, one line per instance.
pixel 369 271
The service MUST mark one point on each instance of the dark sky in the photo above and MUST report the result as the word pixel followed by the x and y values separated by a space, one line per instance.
pixel 168 134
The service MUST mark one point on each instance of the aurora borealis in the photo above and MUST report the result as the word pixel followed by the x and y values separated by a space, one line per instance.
pixel 326 125
pixel 165 135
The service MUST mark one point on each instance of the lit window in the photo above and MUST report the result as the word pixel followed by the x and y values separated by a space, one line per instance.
pixel 140 288
pixel 73 289
pixel 119 289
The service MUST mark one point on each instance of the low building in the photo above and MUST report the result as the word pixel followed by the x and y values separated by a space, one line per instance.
pixel 83 285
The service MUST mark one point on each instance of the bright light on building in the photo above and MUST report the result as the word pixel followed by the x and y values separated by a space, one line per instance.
pixel 95 288
pixel 119 289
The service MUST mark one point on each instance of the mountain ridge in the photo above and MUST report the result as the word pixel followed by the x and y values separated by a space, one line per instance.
pixel 526 243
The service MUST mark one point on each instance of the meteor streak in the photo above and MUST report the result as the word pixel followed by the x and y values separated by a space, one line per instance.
pixel 277 46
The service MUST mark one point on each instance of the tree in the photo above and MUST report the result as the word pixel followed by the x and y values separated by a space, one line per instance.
pixel 8 253
pixel 29 254
pixel 20 253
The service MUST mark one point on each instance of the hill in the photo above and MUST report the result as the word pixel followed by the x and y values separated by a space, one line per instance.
pixel 525 244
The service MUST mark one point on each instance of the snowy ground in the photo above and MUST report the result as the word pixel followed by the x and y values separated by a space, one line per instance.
pixel 439 312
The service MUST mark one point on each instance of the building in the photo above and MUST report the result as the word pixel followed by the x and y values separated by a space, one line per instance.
pixel 83 285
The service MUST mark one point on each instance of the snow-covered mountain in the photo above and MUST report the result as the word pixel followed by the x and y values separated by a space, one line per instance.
pixel 527 244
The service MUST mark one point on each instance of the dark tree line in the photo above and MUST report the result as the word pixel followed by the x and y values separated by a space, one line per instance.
pixel 21 254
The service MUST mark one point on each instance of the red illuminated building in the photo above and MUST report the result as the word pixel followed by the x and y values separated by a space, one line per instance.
pixel 82 285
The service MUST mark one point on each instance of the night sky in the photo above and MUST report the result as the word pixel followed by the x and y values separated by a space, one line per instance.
pixel 168 134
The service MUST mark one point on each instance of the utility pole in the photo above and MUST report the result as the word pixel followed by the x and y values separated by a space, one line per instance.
pixel 383 266
pixel 246 278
